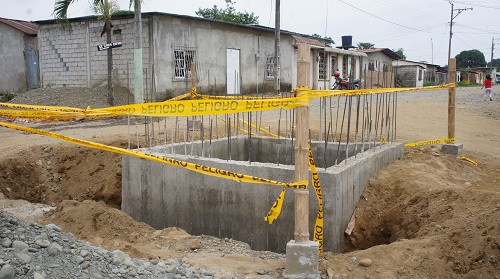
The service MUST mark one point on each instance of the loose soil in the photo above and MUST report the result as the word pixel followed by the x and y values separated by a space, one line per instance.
pixel 429 215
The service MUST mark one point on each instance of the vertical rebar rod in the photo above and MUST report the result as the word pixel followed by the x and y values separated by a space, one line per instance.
pixel 357 126
pixel 172 139
pixel 137 135
pixel 348 129
pixel 210 143
pixel 229 138
pixel 341 130
pixel 337 118
pixel 128 130
pixel 363 129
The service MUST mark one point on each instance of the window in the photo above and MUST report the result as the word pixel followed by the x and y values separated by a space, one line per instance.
pixel 420 74
pixel 333 66
pixel 385 67
pixel 183 56
pixel 322 65
pixel 345 66
pixel 270 67
pixel 371 65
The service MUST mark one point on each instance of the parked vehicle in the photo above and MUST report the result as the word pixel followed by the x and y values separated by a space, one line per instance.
pixel 345 84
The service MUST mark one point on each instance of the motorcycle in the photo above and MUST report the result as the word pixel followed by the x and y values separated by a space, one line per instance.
pixel 345 84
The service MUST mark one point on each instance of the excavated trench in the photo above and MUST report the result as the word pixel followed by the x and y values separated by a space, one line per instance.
pixel 51 174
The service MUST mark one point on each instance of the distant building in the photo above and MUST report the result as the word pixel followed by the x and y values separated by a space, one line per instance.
pixel 378 67
pixel 413 74
pixel 19 69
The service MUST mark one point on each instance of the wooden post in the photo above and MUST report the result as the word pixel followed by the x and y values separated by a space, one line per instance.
pixel 452 68
pixel 301 149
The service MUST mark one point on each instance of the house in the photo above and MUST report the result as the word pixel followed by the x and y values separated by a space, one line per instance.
pixel 411 73
pixel 229 58
pixel 18 55
pixel 378 67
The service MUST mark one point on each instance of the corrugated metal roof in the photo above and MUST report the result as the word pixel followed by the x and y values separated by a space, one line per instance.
pixel 308 40
pixel 27 27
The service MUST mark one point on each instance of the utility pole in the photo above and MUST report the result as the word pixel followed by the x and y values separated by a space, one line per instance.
pixel 277 68
pixel 452 17
pixel 493 49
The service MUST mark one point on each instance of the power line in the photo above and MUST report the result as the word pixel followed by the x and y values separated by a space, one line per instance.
pixel 368 13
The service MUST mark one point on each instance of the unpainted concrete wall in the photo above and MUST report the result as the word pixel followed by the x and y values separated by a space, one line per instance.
pixel 165 196
pixel 12 63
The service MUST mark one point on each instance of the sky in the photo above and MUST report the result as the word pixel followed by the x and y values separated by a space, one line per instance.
pixel 420 27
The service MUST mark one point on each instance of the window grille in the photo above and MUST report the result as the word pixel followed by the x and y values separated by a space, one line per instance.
pixel 183 57
pixel 322 65
pixel 270 67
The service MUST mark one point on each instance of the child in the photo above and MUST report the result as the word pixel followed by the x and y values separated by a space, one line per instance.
pixel 487 88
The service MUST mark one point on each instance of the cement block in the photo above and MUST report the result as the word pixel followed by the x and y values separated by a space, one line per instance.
pixel 453 149
pixel 302 260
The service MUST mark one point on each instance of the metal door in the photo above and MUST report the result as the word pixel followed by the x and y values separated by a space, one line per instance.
pixel 233 71
pixel 32 68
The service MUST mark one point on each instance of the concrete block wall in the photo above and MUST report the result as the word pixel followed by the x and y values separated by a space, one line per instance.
pixel 70 57
pixel 164 196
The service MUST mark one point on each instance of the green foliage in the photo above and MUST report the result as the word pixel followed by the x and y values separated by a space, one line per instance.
pixel 365 45
pixel 429 83
pixel 496 64
pixel 7 96
pixel 122 12
pixel 228 14
pixel 466 84
pixel 400 52
pixel 328 40
pixel 470 59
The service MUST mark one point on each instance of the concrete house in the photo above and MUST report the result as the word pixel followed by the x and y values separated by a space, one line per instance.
pixel 410 73
pixel 378 67
pixel 18 55
pixel 229 58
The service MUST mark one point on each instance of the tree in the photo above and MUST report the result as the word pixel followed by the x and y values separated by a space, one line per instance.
pixel 328 40
pixel 496 64
pixel 365 45
pixel 105 9
pixel 400 52
pixel 470 59
pixel 228 14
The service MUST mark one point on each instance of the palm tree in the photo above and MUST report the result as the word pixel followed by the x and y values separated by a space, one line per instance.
pixel 61 13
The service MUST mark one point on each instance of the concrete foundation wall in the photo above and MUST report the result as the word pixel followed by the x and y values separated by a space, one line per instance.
pixel 165 196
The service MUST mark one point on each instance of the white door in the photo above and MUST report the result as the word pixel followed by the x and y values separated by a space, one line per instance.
pixel 233 71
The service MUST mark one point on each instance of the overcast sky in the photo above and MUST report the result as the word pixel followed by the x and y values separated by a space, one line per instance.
pixel 419 27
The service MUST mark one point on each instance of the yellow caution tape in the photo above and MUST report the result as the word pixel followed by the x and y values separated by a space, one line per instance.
pixel 468 160
pixel 43 108
pixel 278 204
pixel 50 114
pixel 204 107
pixel 339 93
pixel 427 142
pixel 259 128
pixel 318 226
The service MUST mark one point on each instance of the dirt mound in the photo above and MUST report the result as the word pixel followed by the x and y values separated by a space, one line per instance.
pixel 434 220
pixel 49 175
